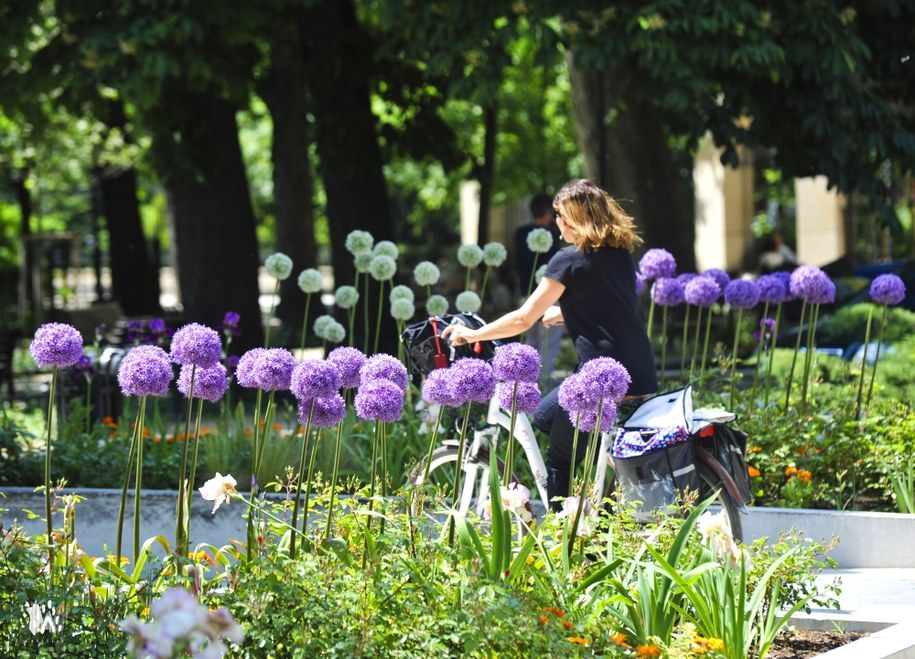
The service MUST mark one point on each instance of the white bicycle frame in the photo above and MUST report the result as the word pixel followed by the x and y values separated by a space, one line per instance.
pixel 476 472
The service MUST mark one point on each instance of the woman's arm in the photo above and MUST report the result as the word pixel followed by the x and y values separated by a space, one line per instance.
pixel 553 317
pixel 514 322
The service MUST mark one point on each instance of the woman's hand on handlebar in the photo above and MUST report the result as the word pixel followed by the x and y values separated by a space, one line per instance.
pixel 458 335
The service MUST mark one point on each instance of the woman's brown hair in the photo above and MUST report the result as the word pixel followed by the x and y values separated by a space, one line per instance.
pixel 596 219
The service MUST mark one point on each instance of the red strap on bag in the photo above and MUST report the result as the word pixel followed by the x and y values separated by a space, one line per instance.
pixel 440 359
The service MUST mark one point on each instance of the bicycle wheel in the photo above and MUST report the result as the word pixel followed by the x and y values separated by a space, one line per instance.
pixel 712 485
pixel 474 481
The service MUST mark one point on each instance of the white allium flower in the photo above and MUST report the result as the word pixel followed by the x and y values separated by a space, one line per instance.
pixel 346 297
pixel 470 256
pixel 426 273
pixel 218 489
pixel 278 266
pixel 437 305
pixel 321 323
pixel 402 309
pixel 363 262
pixel 401 292
pixel 310 281
pixel 539 240
pixel 359 242
pixel 541 271
pixel 468 301
pixel 382 267
pixel 334 332
pixel 494 254
pixel 386 248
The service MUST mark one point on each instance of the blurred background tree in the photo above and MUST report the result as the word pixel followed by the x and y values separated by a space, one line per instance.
pixel 217 135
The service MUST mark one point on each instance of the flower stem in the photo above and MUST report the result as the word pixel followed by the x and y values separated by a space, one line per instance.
pixel 867 338
pixel 457 473
pixel 333 479
pixel 870 388
pixel 778 314
pixel 305 322
pixel 692 364
pixel 797 348
pixel 510 452
pixel 663 340
pixel 298 492
pixel 811 346
pixel 130 464
pixel 574 462
pixel 276 291
pixel 311 471
pixel 734 354
pixel 138 481
pixel 685 341
pixel 378 316
pixel 182 529
pixel 47 472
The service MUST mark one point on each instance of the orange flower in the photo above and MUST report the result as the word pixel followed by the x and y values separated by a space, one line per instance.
pixel 146 433
pixel 110 422
pixel 578 640
pixel 566 624
pixel 752 471
pixel 648 650
pixel 790 471
pixel 804 475
pixel 278 426
pixel 715 644
pixel 620 639
pixel 755 449
pixel 544 619
pixel 802 450
pixel 559 613
pixel 204 431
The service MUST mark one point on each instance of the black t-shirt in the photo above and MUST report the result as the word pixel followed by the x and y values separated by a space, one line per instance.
pixel 601 312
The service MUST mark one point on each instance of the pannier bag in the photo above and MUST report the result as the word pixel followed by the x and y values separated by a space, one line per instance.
pixel 653 467
pixel 425 349
pixel 729 447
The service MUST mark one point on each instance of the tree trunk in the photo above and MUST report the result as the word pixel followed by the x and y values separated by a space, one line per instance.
pixel 215 242
pixel 285 94
pixel 631 158
pixel 24 198
pixel 339 59
pixel 134 279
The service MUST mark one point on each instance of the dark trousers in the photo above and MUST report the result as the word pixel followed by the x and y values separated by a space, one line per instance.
pixel 556 422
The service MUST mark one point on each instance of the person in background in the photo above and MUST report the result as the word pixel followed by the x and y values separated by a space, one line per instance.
pixel 593 282
pixel 545 339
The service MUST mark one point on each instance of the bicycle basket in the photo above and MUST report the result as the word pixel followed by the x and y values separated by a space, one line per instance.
pixel 422 343
pixel 670 409
pixel 729 447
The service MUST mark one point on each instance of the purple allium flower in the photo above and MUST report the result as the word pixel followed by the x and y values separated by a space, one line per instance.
pixel 772 289
pixel 887 289
pixel 516 362
pixel 56 344
pixel 702 291
pixel 685 278
pixel 273 369
pixel 437 388
pixel 232 363
pixel 785 278
pixel 826 294
pixel 574 395
pixel 380 400
pixel 471 380
pixel 527 400
pixel 667 291
pixel 327 411
pixel 810 284
pixel 209 383
pixel 588 420
pixel 720 276
pixel 639 283
pixel 315 378
pixel 384 367
pixel 657 263
pixel 157 326
pixel 83 366
pixel 767 324
pixel 348 361
pixel 145 371
pixel 230 322
pixel 196 344
pixel 741 294
pixel 605 378
pixel 244 371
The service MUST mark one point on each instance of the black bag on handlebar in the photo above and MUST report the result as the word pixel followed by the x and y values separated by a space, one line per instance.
pixel 426 350
pixel 729 447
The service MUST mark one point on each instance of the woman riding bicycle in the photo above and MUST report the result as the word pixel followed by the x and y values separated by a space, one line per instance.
pixel 593 282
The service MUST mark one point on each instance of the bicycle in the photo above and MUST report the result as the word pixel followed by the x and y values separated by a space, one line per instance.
pixel 714 478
